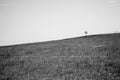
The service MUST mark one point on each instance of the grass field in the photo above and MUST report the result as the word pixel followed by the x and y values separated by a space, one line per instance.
pixel 93 57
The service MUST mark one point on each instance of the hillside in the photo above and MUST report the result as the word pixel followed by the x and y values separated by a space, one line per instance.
pixel 93 57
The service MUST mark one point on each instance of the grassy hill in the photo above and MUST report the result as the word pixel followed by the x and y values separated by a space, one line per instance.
pixel 93 57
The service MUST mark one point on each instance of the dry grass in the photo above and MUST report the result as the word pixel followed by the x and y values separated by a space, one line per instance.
pixel 71 59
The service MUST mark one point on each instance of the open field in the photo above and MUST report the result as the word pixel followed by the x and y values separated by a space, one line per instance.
pixel 94 57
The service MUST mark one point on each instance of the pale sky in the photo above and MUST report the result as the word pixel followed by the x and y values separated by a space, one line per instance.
pixel 24 21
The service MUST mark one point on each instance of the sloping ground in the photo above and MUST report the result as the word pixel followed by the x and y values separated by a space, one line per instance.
pixel 95 57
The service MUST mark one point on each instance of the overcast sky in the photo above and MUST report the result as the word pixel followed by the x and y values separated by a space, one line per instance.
pixel 24 21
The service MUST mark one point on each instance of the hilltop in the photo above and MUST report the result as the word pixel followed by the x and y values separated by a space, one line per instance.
pixel 92 57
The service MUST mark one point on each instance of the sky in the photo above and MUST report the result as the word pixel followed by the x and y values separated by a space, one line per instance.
pixel 26 21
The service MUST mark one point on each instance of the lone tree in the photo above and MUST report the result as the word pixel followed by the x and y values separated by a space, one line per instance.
pixel 86 32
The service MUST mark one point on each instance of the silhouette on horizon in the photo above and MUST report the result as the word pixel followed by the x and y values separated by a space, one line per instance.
pixel 86 32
